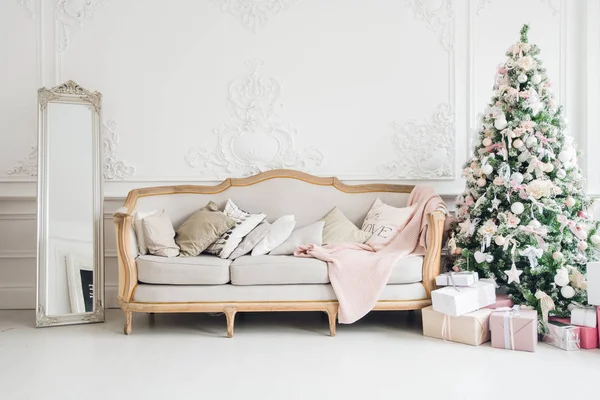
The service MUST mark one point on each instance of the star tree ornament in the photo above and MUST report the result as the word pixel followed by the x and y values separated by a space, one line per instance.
pixel 513 274
pixel 523 215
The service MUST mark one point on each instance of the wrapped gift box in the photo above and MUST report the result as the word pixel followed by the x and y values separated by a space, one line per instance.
pixel 588 337
pixel 584 317
pixel 593 279
pixel 465 278
pixel 471 328
pixel 502 300
pixel 563 336
pixel 514 329
pixel 465 299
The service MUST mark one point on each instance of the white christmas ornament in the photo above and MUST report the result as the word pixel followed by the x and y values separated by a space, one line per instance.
pixel 562 277
pixel 518 143
pixel 500 123
pixel 536 79
pixel 534 223
pixel 595 239
pixel 567 292
pixel 571 307
pixel 500 240
pixel 566 155
pixel 513 274
pixel 487 141
pixel 481 182
pixel 569 202
pixel 582 245
pixel 531 141
pixel 517 177
pixel 561 174
pixel 548 167
pixel 522 78
pixel 487 169
pixel 479 256
pixel 557 255
pixel 517 208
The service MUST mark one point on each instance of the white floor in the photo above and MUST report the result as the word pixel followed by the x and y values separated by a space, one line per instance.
pixel 274 356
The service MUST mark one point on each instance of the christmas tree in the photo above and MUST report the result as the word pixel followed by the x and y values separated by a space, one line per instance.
pixel 522 217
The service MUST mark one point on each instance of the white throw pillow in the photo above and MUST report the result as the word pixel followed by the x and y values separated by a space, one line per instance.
pixel 310 234
pixel 251 240
pixel 139 231
pixel 244 224
pixel 384 222
pixel 281 229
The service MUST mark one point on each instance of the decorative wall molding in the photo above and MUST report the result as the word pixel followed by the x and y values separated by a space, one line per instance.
pixel 254 14
pixel 481 4
pixel 70 16
pixel 29 6
pixel 439 17
pixel 113 167
pixel 425 149
pixel 27 166
pixel 254 139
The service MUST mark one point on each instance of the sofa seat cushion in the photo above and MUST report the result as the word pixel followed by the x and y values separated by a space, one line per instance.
pixel 278 270
pixel 288 270
pixel 407 270
pixel 200 270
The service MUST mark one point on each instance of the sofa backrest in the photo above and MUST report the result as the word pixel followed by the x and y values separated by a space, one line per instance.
pixel 275 193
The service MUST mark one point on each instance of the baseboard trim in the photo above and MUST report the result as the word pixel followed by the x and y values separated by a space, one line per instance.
pixel 23 298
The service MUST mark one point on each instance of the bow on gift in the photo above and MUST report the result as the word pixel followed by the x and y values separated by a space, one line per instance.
pixel 532 254
pixel 564 222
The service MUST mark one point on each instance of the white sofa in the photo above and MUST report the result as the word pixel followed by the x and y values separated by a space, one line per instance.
pixel 261 283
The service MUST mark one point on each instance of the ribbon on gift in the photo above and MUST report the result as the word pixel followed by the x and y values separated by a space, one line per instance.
pixel 532 254
pixel 446 328
pixel 509 330
pixel 452 281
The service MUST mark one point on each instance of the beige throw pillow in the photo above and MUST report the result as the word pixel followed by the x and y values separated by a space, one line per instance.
pixel 159 234
pixel 339 229
pixel 201 229
pixel 384 222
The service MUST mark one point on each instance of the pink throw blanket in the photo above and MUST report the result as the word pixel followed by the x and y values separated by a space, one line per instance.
pixel 358 274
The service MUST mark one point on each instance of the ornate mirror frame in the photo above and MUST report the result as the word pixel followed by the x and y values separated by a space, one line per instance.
pixel 70 93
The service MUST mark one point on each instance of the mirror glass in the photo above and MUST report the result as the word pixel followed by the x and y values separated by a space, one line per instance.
pixel 70 248
pixel 70 209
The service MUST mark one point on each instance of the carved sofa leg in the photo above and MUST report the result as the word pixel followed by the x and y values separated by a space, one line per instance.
pixel 332 311
pixel 128 319
pixel 230 312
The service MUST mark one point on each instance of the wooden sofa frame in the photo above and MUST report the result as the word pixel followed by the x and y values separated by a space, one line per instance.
pixel 128 278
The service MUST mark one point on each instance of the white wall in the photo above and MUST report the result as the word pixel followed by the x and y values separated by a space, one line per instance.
pixel 196 90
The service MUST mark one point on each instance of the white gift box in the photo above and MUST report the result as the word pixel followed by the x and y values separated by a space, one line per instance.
pixel 563 336
pixel 463 278
pixel 584 317
pixel 463 300
pixel 593 279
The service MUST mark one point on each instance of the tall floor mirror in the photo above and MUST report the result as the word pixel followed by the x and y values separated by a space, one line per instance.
pixel 70 284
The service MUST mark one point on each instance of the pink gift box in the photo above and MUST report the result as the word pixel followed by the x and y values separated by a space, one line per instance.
pixel 514 330
pixel 502 300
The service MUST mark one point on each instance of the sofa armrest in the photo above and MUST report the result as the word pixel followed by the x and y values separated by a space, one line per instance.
pixel 431 264
pixel 128 277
